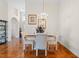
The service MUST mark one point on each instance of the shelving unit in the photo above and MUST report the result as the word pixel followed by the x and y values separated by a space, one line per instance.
pixel 3 31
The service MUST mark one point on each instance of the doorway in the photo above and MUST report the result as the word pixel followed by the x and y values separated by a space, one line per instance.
pixel 14 28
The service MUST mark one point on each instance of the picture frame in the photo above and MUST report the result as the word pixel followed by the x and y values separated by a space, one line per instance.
pixel 42 22
pixel 32 19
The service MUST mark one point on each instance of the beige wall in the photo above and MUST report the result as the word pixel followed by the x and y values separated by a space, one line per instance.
pixel 3 10
pixel 36 7
pixel 69 21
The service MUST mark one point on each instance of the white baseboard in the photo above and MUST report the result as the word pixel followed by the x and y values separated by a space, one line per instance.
pixel 74 51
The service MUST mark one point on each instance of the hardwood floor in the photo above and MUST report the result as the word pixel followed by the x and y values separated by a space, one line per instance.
pixel 14 49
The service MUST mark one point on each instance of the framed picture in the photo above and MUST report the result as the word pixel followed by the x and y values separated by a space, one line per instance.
pixel 32 19
pixel 42 22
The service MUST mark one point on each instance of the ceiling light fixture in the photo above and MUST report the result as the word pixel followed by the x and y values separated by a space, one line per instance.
pixel 44 15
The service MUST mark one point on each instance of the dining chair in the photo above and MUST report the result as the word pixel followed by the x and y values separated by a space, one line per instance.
pixel 52 41
pixel 27 40
pixel 41 43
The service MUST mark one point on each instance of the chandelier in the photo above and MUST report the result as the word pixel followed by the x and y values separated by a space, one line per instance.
pixel 44 15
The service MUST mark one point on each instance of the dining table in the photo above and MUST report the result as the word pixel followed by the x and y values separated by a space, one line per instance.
pixel 34 36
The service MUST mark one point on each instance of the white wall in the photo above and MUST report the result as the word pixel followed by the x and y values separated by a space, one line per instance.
pixel 36 7
pixel 69 21
pixel 3 10
pixel 14 9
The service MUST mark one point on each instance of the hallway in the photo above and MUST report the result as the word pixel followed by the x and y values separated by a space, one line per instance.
pixel 14 49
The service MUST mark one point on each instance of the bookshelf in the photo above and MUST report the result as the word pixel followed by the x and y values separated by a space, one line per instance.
pixel 3 31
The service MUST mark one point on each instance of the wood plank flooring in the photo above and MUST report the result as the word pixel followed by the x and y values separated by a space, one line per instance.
pixel 14 49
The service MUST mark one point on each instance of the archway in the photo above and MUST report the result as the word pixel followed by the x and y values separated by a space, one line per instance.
pixel 14 28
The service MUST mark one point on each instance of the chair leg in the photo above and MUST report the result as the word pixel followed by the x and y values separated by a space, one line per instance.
pixel 56 47
pixel 36 52
pixel 32 46
pixel 48 47
pixel 45 52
